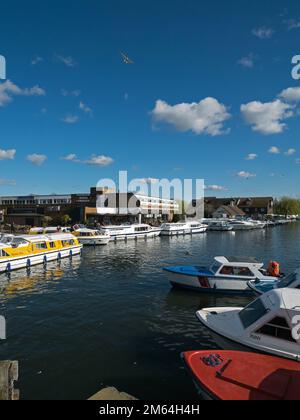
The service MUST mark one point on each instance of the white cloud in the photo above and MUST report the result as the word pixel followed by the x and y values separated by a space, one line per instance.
pixel 292 24
pixel 99 160
pixel 8 90
pixel 298 161
pixel 244 174
pixel 67 61
pixel 247 61
pixel 74 93
pixel 291 94
pixel 274 150
pixel 252 156
pixel 215 188
pixel 84 108
pixel 71 158
pixel 70 119
pixel 149 181
pixel 290 152
pixel 267 118
pixel 36 159
pixel 263 32
pixel 94 160
pixel 7 154
pixel 206 117
pixel 36 60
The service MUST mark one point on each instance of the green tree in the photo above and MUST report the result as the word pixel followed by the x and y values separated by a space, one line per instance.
pixel 46 221
pixel 287 206
pixel 65 220
pixel 178 217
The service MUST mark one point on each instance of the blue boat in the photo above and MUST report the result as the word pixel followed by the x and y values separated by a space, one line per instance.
pixel 226 275
pixel 260 287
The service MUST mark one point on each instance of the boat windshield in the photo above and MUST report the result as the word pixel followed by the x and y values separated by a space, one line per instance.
pixel 215 267
pixel 7 239
pixel 287 281
pixel 253 313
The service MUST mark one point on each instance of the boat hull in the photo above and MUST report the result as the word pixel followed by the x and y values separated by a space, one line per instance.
pixel 183 232
pixel 18 263
pixel 134 236
pixel 231 375
pixel 94 241
pixel 208 284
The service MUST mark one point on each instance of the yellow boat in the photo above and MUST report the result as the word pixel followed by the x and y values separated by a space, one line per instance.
pixel 26 251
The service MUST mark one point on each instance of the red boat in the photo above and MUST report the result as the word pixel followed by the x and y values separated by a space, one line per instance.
pixel 232 375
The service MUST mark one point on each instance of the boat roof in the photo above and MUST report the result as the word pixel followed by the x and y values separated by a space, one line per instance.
pixel 282 299
pixel 48 237
pixel 124 226
pixel 238 260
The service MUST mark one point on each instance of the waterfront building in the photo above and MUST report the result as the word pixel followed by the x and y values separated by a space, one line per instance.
pixel 114 207
pixel 97 206
pixel 252 207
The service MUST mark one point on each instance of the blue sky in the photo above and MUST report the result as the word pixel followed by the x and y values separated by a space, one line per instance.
pixel 202 99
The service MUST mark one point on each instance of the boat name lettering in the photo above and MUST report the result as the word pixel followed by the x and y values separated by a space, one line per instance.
pixel 255 337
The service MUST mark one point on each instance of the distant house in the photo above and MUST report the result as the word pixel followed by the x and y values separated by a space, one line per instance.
pixel 254 207
pixel 257 207
pixel 228 212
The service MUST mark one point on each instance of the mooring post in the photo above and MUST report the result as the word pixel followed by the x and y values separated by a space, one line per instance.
pixel 9 373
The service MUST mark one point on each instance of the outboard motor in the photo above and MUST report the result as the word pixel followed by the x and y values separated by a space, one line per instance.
pixel 274 269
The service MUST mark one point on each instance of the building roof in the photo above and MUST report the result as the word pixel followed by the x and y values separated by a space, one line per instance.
pixel 231 210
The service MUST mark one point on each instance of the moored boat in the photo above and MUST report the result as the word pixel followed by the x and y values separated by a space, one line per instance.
pixel 184 228
pixel 241 376
pixel 91 237
pixel 126 232
pixel 270 324
pixel 226 275
pixel 220 226
pixel 260 287
pixel 27 251
pixel 241 225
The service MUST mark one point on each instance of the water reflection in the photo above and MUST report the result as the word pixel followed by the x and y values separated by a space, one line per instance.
pixel 33 280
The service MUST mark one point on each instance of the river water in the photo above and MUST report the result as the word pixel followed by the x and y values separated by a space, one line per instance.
pixel 110 317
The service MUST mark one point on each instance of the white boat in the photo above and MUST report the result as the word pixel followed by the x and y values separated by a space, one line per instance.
pixel 27 251
pixel 257 224
pixel 185 228
pixel 226 275
pixel 220 226
pixel 270 324
pixel 240 225
pixel 125 232
pixel 291 281
pixel 91 237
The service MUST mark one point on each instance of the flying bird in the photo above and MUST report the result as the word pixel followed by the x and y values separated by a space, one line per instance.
pixel 126 59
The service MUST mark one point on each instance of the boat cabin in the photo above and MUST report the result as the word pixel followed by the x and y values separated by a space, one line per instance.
pixel 270 324
pixel 273 319
pixel 238 267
